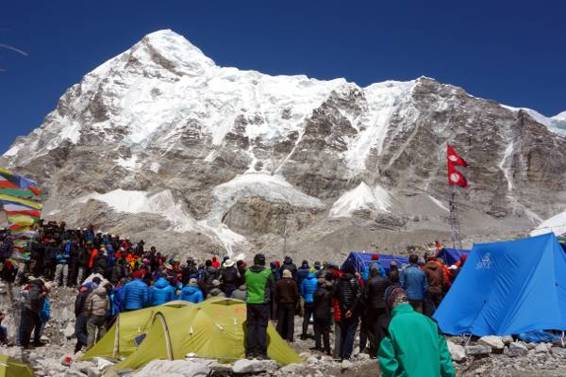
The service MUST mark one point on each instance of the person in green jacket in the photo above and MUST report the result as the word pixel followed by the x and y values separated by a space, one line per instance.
pixel 414 347
pixel 259 283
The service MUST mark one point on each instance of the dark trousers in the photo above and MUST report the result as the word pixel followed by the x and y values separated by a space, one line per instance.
pixel 322 333
pixel 364 331
pixel 377 328
pixel 81 331
pixel 256 325
pixel 348 327
pixel 286 321
pixel 309 309
pixel 28 322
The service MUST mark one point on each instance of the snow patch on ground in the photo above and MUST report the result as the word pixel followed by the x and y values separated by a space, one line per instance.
pixel 556 224
pixel 438 203
pixel 362 197
pixel 273 188
pixel 135 202
pixel 128 163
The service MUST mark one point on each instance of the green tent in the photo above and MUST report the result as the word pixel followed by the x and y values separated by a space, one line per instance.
pixel 212 329
pixel 10 367
pixel 128 331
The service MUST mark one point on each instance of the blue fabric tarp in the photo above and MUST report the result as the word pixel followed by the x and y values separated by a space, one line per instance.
pixel 359 260
pixel 451 256
pixel 507 288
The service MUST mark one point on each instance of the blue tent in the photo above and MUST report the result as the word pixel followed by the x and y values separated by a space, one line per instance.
pixel 360 259
pixel 508 288
pixel 451 256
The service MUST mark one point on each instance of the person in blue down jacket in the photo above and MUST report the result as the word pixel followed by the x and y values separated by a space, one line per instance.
pixel 413 281
pixel 135 294
pixel 307 289
pixel 191 292
pixel 161 292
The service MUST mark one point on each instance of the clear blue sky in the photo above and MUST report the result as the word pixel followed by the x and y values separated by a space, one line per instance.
pixel 514 53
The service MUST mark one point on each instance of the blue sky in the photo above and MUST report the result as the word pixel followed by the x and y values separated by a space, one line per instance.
pixel 513 51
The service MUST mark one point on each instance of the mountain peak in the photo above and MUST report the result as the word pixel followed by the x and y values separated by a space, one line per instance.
pixel 172 51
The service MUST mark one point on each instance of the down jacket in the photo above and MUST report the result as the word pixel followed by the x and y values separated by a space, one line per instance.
pixel 134 295
pixel 308 288
pixel 191 294
pixel 161 292
pixel 97 302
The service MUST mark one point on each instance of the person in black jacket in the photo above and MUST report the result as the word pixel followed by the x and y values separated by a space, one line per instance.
pixel 376 309
pixel 322 315
pixel 286 297
pixel 348 294
pixel 33 302
pixel 229 276
pixel 74 255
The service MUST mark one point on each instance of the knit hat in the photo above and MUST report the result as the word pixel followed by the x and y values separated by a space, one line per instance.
pixel 287 274
pixel 375 257
pixel 259 259
pixel 138 274
pixel 395 296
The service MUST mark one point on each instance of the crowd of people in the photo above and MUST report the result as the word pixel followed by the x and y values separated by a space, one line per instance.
pixel 114 275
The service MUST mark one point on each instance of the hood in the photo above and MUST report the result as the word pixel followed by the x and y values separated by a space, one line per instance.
pixel 288 260
pixel 432 265
pixel 256 268
pixel 100 291
pixel 161 283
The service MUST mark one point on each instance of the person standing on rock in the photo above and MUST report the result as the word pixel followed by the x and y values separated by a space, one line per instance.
pixel 308 287
pixel 374 293
pixel 414 346
pixel 322 315
pixel 34 294
pixel 413 281
pixel 347 294
pixel 286 297
pixel 259 282
pixel 97 306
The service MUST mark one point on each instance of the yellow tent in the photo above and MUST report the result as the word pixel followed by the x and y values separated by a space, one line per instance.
pixel 128 331
pixel 213 329
pixel 10 367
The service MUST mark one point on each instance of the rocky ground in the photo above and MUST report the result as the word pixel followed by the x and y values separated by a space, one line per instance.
pixel 490 356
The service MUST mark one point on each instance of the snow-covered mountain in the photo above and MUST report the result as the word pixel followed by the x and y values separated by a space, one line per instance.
pixel 160 142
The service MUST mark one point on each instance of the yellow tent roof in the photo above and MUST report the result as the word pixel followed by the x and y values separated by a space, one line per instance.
pixel 10 367
pixel 213 329
pixel 123 338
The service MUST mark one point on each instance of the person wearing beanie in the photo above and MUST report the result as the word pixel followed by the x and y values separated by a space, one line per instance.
pixel 414 346
pixel 286 296
pixel 259 282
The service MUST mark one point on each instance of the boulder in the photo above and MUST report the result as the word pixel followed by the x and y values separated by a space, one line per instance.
pixel 478 350
pixel 507 339
pixel 253 366
pixel 457 352
pixel 345 365
pixel 517 349
pixel 291 369
pixel 69 331
pixel 495 342
pixel 176 368
pixel 543 348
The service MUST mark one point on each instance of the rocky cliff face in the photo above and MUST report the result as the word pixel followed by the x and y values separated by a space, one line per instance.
pixel 161 143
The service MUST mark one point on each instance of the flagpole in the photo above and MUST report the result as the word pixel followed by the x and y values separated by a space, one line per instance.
pixel 453 220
